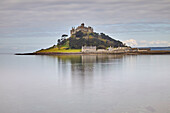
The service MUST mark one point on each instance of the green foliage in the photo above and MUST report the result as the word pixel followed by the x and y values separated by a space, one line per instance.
pixel 80 39
pixel 79 34
pixel 96 35
pixel 101 47
pixel 64 35
pixel 77 43
pixel 59 50
pixel 106 37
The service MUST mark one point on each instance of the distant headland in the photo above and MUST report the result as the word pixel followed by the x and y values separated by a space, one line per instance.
pixel 83 40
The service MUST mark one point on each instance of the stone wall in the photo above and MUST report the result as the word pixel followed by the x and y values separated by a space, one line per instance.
pixel 89 49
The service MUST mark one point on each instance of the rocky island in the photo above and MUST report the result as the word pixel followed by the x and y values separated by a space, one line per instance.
pixel 83 40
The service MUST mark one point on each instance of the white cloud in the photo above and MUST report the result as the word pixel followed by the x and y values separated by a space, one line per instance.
pixel 154 43
pixel 131 42
pixel 145 43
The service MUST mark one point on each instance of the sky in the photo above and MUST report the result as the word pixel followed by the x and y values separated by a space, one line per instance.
pixel 28 25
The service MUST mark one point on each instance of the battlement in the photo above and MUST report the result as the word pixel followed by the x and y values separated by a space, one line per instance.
pixel 81 28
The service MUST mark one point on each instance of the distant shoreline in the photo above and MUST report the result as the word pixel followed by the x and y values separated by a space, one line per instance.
pixel 151 52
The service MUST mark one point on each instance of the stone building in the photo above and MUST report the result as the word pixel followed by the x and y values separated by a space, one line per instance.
pixel 118 49
pixel 88 49
pixel 81 28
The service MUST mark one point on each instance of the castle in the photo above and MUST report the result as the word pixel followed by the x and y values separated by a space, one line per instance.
pixel 82 28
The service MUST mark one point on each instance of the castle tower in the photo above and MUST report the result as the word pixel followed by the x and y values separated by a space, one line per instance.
pixel 90 30
pixel 72 31
pixel 82 25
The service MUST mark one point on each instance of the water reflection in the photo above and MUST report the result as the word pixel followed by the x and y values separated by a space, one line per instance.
pixel 82 70
pixel 85 84
pixel 87 63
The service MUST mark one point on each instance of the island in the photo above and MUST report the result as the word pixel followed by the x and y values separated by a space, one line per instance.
pixel 83 40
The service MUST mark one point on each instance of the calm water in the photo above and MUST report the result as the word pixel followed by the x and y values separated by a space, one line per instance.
pixel 160 48
pixel 85 84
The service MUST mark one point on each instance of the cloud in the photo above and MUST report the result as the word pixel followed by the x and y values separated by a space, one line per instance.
pixel 114 16
pixel 16 13
pixel 155 43
pixel 145 43
pixel 131 42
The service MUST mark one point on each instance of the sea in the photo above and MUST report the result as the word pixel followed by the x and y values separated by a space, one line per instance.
pixel 84 83
pixel 157 48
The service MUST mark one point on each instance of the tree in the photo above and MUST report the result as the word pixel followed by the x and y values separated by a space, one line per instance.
pixel 58 42
pixel 64 36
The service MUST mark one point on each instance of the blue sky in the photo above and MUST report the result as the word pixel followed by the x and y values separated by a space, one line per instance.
pixel 35 24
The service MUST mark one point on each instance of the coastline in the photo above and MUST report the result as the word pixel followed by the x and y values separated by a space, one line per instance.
pixel 151 52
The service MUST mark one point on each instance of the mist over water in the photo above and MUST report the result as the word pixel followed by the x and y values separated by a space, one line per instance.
pixel 85 84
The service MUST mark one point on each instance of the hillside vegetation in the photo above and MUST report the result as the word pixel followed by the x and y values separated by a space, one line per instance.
pixel 74 43
pixel 79 39
pixel 58 50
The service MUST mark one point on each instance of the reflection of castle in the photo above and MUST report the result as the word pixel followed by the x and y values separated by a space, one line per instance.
pixel 82 28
